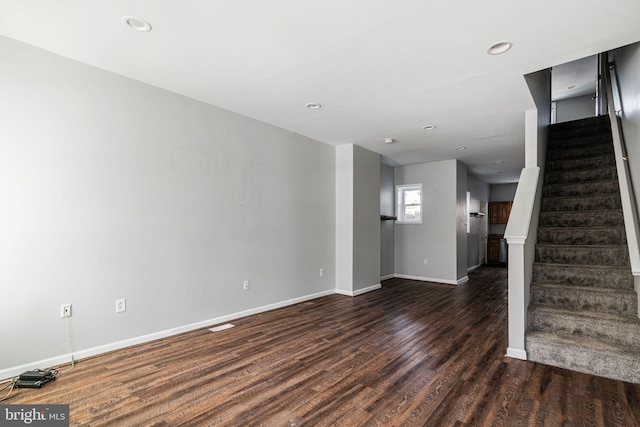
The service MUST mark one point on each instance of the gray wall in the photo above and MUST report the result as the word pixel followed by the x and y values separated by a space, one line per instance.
pixel 436 238
pixel 576 108
pixel 357 219
pixel 462 217
pixel 479 192
pixel 627 61
pixel 387 207
pixel 366 187
pixel 111 188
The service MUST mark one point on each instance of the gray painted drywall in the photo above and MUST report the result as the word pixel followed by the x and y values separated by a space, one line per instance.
pixel 366 213
pixel 344 217
pixel 112 188
pixel 539 84
pixel 435 239
pixel 479 192
pixel 627 63
pixel 357 219
pixel 576 108
pixel 462 219
pixel 387 207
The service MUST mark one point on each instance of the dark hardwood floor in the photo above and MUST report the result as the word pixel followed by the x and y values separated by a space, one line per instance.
pixel 410 354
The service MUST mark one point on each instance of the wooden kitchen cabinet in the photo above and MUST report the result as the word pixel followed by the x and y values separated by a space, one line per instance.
pixel 499 212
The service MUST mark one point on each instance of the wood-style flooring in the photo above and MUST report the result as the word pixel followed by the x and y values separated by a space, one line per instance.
pixel 410 354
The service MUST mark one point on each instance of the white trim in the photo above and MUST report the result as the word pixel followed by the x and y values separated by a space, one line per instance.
pixel 462 280
pixel 473 268
pixel 516 353
pixel 359 291
pixel 387 277
pixel 82 354
pixel 427 279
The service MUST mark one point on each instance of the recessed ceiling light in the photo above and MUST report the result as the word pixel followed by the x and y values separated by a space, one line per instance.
pixel 313 106
pixel 137 24
pixel 498 162
pixel 389 140
pixel 461 148
pixel 502 171
pixel 428 127
pixel 500 47
pixel 571 87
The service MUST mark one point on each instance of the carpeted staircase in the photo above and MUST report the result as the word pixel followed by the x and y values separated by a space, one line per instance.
pixel 583 313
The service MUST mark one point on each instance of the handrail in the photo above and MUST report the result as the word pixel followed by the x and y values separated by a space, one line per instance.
pixel 629 207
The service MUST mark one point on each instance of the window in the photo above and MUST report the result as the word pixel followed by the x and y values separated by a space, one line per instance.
pixel 409 204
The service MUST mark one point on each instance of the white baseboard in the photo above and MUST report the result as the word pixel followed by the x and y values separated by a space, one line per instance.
pixel 82 354
pixel 462 280
pixel 429 279
pixel 475 267
pixel 358 291
pixel 516 353
pixel 387 277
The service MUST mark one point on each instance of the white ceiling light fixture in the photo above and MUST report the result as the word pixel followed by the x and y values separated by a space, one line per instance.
pixel 429 127
pixel 313 106
pixel 136 23
pixel 461 148
pixel 499 47
pixel 389 141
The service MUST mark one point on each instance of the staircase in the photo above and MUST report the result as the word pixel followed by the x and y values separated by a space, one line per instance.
pixel 583 313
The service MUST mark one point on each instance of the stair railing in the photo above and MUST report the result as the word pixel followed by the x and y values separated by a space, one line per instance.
pixel 629 207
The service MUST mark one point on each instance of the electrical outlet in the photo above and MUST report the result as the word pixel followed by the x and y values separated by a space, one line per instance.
pixel 65 310
pixel 321 272
pixel 246 285
pixel 121 305
pixel 426 262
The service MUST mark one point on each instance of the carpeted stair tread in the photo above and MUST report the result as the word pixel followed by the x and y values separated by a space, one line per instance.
pixel 584 355
pixel 600 276
pixel 572 297
pixel 580 189
pixel 581 203
pixel 585 218
pixel 614 329
pixel 580 176
pixel 583 254
pixel 567 165
pixel 614 235
pixel 576 141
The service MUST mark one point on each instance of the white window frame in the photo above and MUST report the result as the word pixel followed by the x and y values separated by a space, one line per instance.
pixel 400 205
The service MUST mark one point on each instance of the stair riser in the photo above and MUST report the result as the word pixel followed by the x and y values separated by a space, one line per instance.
pixel 580 153
pixel 580 164
pixel 570 142
pixel 623 302
pixel 589 125
pixel 582 236
pixel 587 203
pixel 581 359
pixel 618 256
pixel 612 218
pixel 605 330
pixel 580 189
pixel 580 176
pixel 616 278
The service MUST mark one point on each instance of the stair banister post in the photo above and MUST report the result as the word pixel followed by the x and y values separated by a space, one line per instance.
pixel 520 235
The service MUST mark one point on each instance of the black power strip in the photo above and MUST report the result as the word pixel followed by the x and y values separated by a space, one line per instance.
pixel 35 379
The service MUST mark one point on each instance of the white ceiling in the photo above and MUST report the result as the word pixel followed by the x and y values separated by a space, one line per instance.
pixel 380 69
